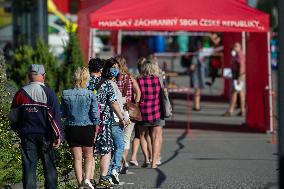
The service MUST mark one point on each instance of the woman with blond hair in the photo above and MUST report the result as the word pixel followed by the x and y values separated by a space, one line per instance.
pixel 150 106
pixel 80 108
pixel 130 90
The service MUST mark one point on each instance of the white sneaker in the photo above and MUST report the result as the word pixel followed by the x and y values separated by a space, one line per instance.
pixel 114 176
pixel 88 184
pixel 110 181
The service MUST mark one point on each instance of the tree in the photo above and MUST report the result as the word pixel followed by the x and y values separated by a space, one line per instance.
pixel 42 55
pixel 269 7
pixel 25 55
pixel 73 60
pixel 18 71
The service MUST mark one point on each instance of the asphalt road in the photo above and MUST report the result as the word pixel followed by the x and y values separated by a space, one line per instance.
pixel 209 159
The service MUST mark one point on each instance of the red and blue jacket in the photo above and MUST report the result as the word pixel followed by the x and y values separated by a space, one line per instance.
pixel 35 111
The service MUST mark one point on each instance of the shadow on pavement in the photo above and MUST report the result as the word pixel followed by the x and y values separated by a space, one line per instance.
pixel 161 176
pixel 211 127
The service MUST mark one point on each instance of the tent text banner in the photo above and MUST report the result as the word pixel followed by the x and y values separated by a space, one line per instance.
pixel 181 23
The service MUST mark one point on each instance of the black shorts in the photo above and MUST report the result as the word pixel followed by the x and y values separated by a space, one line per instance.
pixel 136 129
pixel 80 136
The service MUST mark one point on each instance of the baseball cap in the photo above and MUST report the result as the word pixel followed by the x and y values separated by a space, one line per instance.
pixel 37 69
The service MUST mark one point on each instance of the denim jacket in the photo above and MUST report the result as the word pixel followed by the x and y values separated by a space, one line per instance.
pixel 79 107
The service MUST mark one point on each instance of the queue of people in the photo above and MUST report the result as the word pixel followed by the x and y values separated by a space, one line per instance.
pixel 95 121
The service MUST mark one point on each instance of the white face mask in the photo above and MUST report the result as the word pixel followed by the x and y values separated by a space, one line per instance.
pixel 233 53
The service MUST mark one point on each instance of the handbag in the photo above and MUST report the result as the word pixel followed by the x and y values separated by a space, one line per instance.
pixel 132 108
pixel 166 106
pixel 133 111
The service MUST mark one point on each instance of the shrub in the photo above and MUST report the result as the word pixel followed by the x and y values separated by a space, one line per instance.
pixel 42 55
pixel 10 164
pixel 25 55
pixel 74 59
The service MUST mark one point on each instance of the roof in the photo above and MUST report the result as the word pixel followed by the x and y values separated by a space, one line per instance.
pixel 173 15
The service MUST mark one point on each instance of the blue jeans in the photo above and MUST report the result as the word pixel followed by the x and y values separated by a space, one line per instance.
pixel 118 140
pixel 34 148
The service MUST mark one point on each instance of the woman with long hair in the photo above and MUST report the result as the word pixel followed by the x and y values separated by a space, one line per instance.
pixel 129 88
pixel 150 106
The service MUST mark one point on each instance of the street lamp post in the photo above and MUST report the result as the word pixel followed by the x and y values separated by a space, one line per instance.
pixel 280 5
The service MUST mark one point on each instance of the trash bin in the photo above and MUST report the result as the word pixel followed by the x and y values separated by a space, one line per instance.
pixel 160 43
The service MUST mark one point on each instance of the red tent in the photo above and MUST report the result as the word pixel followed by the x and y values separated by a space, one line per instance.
pixel 205 15
pixel 193 15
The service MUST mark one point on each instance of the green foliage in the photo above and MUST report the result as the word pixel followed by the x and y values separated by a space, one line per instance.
pixel 10 164
pixel 269 7
pixel 42 55
pixel 74 59
pixel 23 58
pixel 64 161
pixel 25 55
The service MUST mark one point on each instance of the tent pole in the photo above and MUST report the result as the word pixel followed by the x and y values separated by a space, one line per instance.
pixel 94 33
pixel 119 41
pixel 244 42
pixel 269 84
pixel 90 43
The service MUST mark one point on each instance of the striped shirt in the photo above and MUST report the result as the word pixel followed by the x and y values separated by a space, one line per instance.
pixel 150 98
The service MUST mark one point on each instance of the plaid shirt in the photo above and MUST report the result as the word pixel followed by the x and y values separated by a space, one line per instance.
pixel 121 84
pixel 150 98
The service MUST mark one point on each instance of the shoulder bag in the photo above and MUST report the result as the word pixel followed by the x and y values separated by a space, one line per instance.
pixel 132 108
pixel 166 106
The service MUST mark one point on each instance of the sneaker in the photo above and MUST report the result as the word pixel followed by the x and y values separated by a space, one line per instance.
pixel 114 175
pixel 110 180
pixel 134 163
pixel 124 170
pixel 105 183
pixel 145 164
pixel 88 184
pixel 93 183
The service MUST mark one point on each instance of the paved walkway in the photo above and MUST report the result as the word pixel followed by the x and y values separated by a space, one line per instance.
pixel 209 159
pixel 217 153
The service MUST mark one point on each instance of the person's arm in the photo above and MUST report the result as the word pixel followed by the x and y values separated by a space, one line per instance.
pixel 114 104
pixel 118 112
pixel 55 118
pixel 63 108
pixel 95 114
pixel 136 90
pixel 242 64
pixel 14 112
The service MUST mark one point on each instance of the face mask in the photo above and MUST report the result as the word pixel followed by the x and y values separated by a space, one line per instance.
pixel 113 72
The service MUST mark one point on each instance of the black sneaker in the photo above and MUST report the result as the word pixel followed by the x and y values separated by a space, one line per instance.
pixel 104 182
pixel 124 170
pixel 93 183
